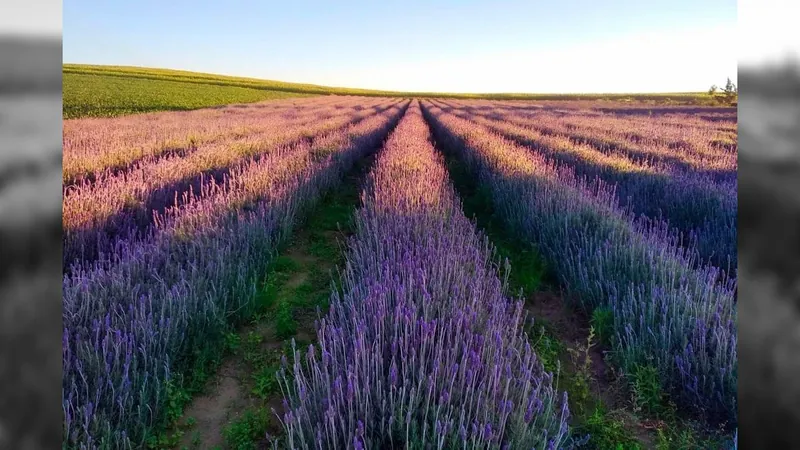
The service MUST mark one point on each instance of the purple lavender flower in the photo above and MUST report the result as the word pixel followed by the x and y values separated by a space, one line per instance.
pixel 410 321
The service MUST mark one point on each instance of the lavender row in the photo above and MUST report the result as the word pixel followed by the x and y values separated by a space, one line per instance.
pixel 95 145
pixel 248 184
pixel 704 158
pixel 132 325
pixel 700 157
pixel 685 129
pixel 690 148
pixel 702 210
pixel 421 348
pixel 635 118
pixel 130 200
pixel 677 320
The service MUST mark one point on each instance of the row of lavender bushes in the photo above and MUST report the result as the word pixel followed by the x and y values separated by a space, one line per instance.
pixel 421 347
pixel 93 146
pixel 653 126
pixel 694 148
pixel 135 323
pixel 678 320
pixel 130 197
pixel 703 210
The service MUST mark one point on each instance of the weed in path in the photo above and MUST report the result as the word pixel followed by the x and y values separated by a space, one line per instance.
pixel 607 432
pixel 647 393
pixel 581 379
pixel 602 322
pixel 244 431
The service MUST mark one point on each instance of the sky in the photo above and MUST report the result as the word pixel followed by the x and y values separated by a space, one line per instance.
pixel 435 46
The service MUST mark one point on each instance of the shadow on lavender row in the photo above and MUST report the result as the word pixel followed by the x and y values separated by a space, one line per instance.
pixel 181 151
pixel 133 223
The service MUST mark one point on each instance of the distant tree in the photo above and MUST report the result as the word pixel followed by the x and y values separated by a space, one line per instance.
pixel 729 86
pixel 730 91
pixel 712 92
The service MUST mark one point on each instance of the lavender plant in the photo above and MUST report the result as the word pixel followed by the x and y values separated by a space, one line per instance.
pixel 421 348
pixel 703 210
pixel 93 146
pixel 666 315
pixel 134 321
pixel 131 196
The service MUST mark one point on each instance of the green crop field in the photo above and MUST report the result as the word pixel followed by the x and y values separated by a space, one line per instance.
pixel 100 95
pixel 106 91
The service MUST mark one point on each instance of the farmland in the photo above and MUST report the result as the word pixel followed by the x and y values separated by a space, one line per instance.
pixel 109 91
pixel 114 96
pixel 379 271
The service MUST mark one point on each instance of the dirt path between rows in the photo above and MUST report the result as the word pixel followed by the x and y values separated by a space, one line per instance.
pixel 236 408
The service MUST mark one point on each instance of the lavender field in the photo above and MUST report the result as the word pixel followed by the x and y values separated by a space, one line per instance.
pixel 314 273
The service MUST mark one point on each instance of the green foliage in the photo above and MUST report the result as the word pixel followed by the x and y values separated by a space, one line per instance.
pixel 100 95
pixel 285 325
pixel 606 432
pixel 321 247
pixel 677 440
pixel 727 96
pixel 177 399
pixel 647 393
pixel 180 390
pixel 196 439
pixel 285 264
pixel 603 322
pixel 548 348
pixel 265 382
pixel 232 342
pixel 244 432
pixel 730 88
pixel 251 347
pixel 580 381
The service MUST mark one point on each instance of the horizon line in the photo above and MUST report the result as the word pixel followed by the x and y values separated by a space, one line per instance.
pixel 64 63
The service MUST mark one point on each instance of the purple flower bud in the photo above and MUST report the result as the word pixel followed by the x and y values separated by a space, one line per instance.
pixel 350 389
pixel 393 374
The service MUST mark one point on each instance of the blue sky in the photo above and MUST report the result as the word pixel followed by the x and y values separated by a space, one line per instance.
pixel 452 46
